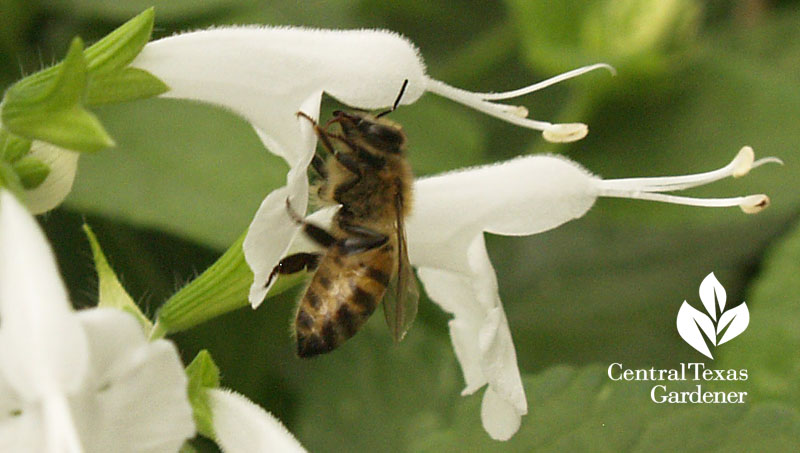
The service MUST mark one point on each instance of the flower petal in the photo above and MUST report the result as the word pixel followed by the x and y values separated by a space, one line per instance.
pixel 498 357
pixel 243 427
pixel 51 192
pixel 480 335
pixel 265 73
pixel 43 349
pixel 522 196
pixel 20 422
pixel 499 360
pixel 272 231
pixel 135 398
pixel 453 292
pixel 500 418
pixel 59 425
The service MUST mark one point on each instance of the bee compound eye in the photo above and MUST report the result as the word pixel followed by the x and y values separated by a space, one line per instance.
pixel 386 135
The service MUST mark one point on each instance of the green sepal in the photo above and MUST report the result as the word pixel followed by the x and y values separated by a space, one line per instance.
pixel 12 146
pixel 52 112
pixel 111 292
pixel 31 172
pixel 117 49
pixel 127 84
pixel 187 448
pixel 74 129
pixel 9 179
pixel 48 105
pixel 203 374
pixel 223 287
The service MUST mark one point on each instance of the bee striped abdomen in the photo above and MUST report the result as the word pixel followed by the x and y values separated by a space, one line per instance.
pixel 342 295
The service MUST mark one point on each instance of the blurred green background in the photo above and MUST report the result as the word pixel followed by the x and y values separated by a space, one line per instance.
pixel 697 81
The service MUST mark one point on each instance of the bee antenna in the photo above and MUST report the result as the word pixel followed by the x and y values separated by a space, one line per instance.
pixel 396 101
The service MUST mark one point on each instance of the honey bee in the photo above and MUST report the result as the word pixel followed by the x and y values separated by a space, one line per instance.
pixel 366 258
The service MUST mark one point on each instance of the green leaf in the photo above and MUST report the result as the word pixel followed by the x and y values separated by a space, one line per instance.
pixel 14 23
pixel 770 347
pixel 557 32
pixel 203 374
pixel 127 84
pixel 49 109
pixel 205 169
pixel 12 146
pixel 111 292
pixel 371 394
pixel 171 11
pixel 32 172
pixel 638 37
pixel 581 409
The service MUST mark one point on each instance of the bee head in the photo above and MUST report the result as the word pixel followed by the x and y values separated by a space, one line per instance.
pixel 379 133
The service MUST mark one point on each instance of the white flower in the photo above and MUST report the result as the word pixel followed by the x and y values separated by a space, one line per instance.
pixel 523 196
pixel 243 427
pixel 267 75
pixel 73 382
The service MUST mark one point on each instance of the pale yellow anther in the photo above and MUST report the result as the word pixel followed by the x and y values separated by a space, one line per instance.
pixel 743 162
pixel 521 111
pixel 564 133
pixel 754 204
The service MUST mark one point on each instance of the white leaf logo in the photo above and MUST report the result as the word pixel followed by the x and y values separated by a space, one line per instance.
pixel 698 328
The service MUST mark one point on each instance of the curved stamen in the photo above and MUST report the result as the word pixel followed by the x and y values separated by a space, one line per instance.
pixel 651 188
pixel 545 83
pixel 511 114
pixel 739 166
pixel 517 114
pixel 750 204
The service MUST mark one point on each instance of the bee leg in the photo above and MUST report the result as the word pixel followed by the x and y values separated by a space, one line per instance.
pixel 315 233
pixel 362 239
pixel 355 167
pixel 294 263
pixel 350 163
pixel 318 163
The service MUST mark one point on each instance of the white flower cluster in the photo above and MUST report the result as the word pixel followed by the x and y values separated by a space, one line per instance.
pixel 268 74
pixel 90 381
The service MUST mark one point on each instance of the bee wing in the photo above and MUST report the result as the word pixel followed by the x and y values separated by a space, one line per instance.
pixel 402 294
